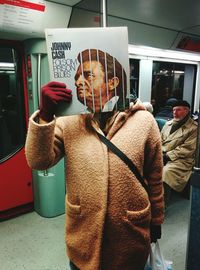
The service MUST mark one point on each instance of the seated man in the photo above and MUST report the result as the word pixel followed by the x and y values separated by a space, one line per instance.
pixel 178 146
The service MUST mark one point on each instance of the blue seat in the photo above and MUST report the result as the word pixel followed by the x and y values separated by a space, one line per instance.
pixel 161 122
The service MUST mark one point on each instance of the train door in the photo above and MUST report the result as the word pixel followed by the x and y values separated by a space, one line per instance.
pixel 15 176
pixel 49 185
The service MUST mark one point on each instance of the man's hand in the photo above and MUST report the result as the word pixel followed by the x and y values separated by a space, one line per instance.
pixel 52 94
pixel 165 158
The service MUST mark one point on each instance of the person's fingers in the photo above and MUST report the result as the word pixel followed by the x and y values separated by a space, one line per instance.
pixel 52 90
pixel 54 84
pixel 65 96
pixel 66 90
pixel 61 96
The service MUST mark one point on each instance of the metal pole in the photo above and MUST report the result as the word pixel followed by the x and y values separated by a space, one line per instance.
pixel 197 158
pixel 38 89
pixel 193 241
pixel 39 76
pixel 104 6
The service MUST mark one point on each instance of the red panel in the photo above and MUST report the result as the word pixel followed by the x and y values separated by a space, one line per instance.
pixel 24 4
pixel 189 44
pixel 16 193
pixel 15 182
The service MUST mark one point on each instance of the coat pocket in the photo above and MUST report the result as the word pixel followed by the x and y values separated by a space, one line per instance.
pixel 139 217
pixel 137 224
pixel 72 209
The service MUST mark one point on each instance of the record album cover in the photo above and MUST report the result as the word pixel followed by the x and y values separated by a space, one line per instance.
pixel 93 63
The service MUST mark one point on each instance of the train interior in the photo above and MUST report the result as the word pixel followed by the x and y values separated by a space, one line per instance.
pixel 164 45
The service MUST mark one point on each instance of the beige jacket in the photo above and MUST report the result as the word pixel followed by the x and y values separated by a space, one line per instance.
pixel 108 212
pixel 180 147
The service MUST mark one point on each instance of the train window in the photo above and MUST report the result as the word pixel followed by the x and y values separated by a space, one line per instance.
pixel 134 76
pixel 172 81
pixel 12 109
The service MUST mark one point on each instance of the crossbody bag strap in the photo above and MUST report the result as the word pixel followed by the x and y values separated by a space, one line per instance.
pixel 124 158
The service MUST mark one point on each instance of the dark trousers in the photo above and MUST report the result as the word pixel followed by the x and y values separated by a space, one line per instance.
pixel 72 266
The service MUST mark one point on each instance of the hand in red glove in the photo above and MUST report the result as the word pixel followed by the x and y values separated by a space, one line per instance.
pixel 51 95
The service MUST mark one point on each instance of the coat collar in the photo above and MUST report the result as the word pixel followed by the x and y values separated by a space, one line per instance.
pixel 120 118
pixel 179 132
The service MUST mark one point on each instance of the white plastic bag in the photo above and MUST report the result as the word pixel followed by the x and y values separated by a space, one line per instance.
pixel 156 260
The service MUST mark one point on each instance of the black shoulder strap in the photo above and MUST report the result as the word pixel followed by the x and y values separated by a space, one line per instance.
pixel 124 158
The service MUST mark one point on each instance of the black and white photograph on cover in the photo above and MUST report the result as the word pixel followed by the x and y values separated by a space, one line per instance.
pixel 94 65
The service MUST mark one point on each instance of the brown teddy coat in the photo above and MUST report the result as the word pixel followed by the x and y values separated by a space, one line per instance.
pixel 108 212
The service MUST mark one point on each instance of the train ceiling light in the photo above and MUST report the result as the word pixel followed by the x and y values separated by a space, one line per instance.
pixel 150 52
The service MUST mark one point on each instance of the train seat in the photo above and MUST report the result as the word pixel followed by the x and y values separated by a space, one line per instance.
pixel 161 122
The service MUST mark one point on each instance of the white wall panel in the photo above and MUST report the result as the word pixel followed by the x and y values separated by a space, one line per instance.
pixel 145 80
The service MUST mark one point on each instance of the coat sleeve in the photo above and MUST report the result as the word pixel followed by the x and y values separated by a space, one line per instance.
pixel 44 144
pixel 186 148
pixel 153 174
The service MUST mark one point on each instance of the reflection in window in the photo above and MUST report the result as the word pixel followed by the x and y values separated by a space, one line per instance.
pixel 134 77
pixel 168 85
pixel 12 116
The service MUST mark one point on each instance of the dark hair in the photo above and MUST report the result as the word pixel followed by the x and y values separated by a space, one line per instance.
pixel 110 65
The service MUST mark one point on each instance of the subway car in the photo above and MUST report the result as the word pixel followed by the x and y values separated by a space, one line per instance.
pixel 164 63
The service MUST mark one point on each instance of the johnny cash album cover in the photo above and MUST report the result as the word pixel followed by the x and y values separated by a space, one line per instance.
pixel 94 64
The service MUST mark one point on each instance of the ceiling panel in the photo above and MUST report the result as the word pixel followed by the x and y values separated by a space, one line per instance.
pixel 93 5
pixel 150 22
pixel 65 2
pixel 178 14
pixel 157 23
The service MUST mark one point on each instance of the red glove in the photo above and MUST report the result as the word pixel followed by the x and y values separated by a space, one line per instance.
pixel 52 94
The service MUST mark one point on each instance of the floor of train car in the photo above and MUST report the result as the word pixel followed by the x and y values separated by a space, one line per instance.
pixel 31 242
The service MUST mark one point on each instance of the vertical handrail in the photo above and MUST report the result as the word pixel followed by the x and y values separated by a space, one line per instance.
pixel 38 76
pixel 197 158
pixel 193 239
pixel 38 89
pixel 104 7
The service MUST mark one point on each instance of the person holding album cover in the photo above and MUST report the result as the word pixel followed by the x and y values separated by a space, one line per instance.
pixel 100 81
pixel 111 219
